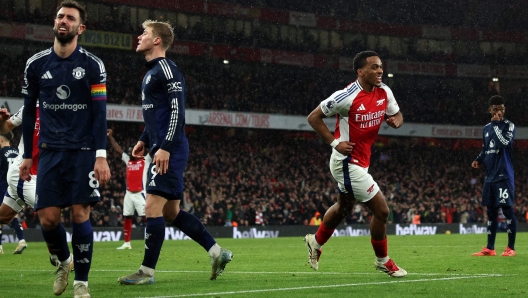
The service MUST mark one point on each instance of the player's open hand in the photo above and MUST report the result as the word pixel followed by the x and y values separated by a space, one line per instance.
pixel 24 169
pixel 345 148
pixel 101 170
pixel 161 160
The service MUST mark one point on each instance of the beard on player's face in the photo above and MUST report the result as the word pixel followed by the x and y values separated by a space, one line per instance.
pixel 65 38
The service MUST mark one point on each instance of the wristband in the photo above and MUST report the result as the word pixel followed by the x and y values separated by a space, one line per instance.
pixel 100 153
pixel 334 143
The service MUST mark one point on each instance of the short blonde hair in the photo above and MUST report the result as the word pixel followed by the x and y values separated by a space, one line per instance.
pixel 162 30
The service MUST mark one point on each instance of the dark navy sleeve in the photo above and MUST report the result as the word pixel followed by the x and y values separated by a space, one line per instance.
pixel 30 91
pixel 480 157
pixel 175 95
pixel 503 133
pixel 98 93
pixel 145 138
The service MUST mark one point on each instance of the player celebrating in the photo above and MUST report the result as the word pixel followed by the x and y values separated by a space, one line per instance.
pixel 135 190
pixel 70 85
pixel 360 109
pixel 163 101
pixel 19 193
pixel 499 182
pixel 8 156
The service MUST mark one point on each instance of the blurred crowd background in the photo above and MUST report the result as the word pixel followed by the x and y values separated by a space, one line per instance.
pixel 260 177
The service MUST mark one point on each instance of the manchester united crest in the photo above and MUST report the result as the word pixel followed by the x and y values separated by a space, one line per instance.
pixel 78 73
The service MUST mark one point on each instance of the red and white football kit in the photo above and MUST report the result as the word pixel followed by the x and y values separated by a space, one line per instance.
pixel 19 192
pixel 135 192
pixel 359 115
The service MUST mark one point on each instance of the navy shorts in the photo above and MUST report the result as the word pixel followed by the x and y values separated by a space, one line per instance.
pixel 66 178
pixel 170 184
pixel 498 194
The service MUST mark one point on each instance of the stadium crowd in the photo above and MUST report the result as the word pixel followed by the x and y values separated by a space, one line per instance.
pixel 281 178
pixel 247 178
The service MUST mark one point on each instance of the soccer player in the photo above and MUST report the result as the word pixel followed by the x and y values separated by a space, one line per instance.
pixel 19 193
pixel 70 86
pixel 136 173
pixel 163 101
pixel 499 183
pixel 359 110
pixel 8 155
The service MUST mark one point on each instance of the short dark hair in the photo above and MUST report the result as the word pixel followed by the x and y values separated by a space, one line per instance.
pixel 8 135
pixel 74 4
pixel 496 100
pixel 361 59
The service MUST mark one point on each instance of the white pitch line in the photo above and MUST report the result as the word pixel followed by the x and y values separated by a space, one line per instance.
pixel 318 287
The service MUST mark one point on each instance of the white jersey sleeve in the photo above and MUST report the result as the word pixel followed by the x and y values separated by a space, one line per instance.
pixel 16 118
pixel 335 104
pixel 125 157
pixel 392 105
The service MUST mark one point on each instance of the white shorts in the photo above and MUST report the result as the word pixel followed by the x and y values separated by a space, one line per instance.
pixel 19 193
pixel 353 179
pixel 134 201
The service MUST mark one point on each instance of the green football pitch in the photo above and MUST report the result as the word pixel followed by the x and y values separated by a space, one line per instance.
pixel 437 266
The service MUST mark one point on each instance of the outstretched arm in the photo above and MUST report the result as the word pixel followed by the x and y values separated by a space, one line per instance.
pixel 113 142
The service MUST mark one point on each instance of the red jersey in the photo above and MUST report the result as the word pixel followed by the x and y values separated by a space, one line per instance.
pixel 134 173
pixel 16 120
pixel 359 116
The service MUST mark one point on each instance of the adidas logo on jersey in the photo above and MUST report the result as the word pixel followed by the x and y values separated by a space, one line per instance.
pixel 361 108
pixel 152 183
pixel 47 75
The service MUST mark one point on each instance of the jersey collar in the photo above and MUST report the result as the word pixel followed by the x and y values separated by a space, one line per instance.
pixel 72 57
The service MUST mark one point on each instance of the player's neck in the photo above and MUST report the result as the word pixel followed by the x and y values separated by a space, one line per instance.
pixel 64 50
pixel 153 54
pixel 366 87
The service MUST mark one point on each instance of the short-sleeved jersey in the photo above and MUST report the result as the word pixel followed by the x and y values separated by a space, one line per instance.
pixel 72 101
pixel 134 173
pixel 16 120
pixel 7 156
pixel 496 150
pixel 359 116
pixel 163 101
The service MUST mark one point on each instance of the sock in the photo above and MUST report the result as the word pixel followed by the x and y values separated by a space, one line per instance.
pixel 492 226
pixel 194 228
pixel 57 243
pixel 1 235
pixel 127 228
pixel 323 234
pixel 215 250
pixel 15 224
pixel 82 244
pixel 511 221
pixel 154 236
pixel 380 248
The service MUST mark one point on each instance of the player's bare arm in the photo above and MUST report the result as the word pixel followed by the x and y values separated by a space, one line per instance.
pixel 316 121
pixel 110 135
pixel 395 121
pixel 101 170
pixel 24 168
pixel 161 159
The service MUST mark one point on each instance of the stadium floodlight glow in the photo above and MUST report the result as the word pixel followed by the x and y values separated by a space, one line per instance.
pixel 495 79
pixel 226 61
pixel 390 75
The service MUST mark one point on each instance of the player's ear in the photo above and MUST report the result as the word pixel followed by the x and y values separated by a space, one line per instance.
pixel 81 29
